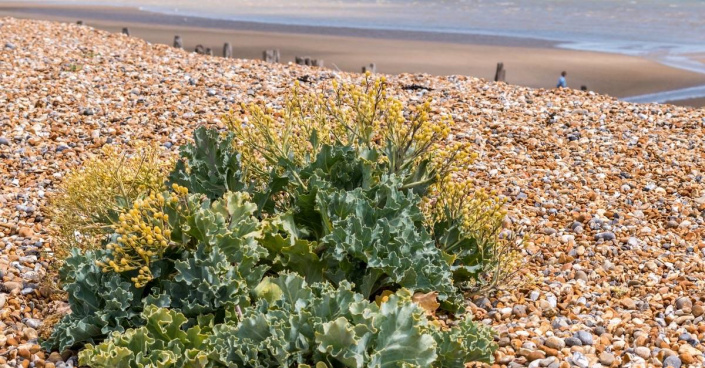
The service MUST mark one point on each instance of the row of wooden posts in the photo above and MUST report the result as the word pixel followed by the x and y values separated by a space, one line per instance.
pixel 273 56
pixel 270 56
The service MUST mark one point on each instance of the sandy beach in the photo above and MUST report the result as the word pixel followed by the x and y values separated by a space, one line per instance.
pixel 698 102
pixel 529 62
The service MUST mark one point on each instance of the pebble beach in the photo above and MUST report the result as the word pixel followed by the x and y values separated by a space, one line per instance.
pixel 609 194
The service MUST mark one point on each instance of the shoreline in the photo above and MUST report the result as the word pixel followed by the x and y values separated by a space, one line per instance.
pixel 529 62
pixel 105 13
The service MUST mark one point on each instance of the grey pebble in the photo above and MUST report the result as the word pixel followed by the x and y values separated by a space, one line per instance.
pixel 580 360
pixel 672 361
pixel 33 323
pixel 606 236
pixel 585 337
pixel 534 296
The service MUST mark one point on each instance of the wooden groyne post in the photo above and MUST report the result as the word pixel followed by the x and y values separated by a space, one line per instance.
pixel 271 56
pixel 126 31
pixel 307 60
pixel 79 22
pixel 372 68
pixel 227 50
pixel 501 73
pixel 178 43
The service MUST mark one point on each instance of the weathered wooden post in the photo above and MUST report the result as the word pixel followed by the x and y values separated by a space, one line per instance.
pixel 178 43
pixel 271 56
pixel 208 51
pixel 79 22
pixel 307 60
pixel 126 31
pixel 583 88
pixel 372 68
pixel 227 50
pixel 200 49
pixel 501 73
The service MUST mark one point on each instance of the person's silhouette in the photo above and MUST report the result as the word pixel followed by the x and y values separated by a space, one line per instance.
pixel 561 81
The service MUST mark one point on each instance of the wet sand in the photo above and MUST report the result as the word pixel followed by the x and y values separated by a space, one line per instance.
pixel 529 62
pixel 698 102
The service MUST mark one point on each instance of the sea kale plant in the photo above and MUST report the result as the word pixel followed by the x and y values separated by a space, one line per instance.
pixel 325 233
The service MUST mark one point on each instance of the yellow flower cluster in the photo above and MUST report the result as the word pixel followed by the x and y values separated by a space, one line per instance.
pixel 481 216
pixel 144 234
pixel 362 116
pixel 81 212
pixel 451 159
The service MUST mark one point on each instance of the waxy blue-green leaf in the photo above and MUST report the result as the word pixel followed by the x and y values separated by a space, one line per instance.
pixel 210 165
pixel 466 342
pixel 100 303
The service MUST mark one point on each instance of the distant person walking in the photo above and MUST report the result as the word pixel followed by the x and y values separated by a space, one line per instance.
pixel 561 81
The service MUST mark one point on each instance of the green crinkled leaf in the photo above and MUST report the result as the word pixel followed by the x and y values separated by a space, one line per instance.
pixel 264 197
pixel 225 267
pixel 288 251
pixel 228 223
pixel 467 258
pixel 419 178
pixel 466 342
pixel 400 340
pixel 319 323
pixel 117 357
pixel 100 303
pixel 377 241
pixel 161 343
pixel 268 291
pixel 299 325
pixel 341 167
pixel 213 165
pixel 339 340
pixel 163 324
pixel 206 283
